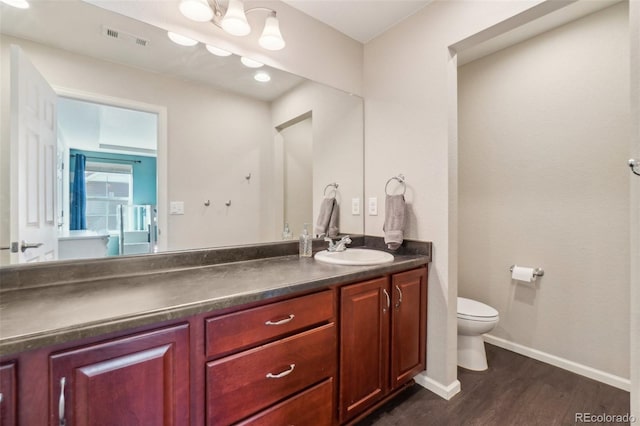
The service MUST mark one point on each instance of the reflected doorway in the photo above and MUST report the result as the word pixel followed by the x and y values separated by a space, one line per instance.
pixel 111 153
pixel 297 150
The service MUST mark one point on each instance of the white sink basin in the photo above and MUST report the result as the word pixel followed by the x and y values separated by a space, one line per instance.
pixel 354 256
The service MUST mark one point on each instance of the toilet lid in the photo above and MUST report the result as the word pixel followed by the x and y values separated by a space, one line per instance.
pixel 472 308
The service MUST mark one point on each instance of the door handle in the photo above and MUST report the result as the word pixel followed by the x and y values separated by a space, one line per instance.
pixel 633 164
pixel 24 246
pixel 399 298
pixel 386 293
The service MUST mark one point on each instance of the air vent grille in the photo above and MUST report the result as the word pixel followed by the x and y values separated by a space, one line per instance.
pixel 124 36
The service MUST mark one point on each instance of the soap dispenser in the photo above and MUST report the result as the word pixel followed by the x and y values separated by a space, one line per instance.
pixel 305 242
pixel 286 233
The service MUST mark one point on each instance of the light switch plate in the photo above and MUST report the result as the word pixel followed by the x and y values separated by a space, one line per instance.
pixel 373 206
pixel 176 207
pixel 355 206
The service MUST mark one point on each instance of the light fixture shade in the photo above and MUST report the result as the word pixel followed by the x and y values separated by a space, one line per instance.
pixel 271 38
pixel 196 10
pixel 262 77
pixel 235 21
pixel 20 4
pixel 250 63
pixel 217 51
pixel 181 40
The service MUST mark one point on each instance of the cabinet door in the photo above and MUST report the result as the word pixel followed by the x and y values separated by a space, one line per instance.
pixel 408 325
pixel 364 345
pixel 142 379
pixel 8 392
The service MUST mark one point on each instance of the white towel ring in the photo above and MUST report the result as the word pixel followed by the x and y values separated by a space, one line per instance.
pixel 399 178
pixel 334 185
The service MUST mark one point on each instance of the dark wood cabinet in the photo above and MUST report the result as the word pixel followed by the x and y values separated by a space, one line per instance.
pixel 408 325
pixel 382 338
pixel 364 345
pixel 323 358
pixel 314 406
pixel 8 394
pixel 275 355
pixel 243 384
pixel 141 379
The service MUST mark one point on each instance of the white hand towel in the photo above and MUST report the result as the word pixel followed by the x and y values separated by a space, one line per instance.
pixel 323 224
pixel 394 221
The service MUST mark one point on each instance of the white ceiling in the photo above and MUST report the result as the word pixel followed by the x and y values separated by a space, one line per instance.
pixel 362 20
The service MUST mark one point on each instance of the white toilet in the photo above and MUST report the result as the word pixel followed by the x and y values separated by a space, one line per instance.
pixel 474 319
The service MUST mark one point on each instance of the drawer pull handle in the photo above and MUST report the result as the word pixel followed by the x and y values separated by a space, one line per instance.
pixel 282 321
pixel 283 374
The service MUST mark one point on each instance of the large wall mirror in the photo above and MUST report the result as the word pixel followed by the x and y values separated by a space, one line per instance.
pixel 153 133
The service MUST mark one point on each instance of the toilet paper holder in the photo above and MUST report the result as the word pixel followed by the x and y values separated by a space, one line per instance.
pixel 538 272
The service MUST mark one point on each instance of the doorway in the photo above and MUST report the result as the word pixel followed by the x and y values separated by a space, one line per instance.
pixel 111 150
pixel 124 135
pixel 297 150
pixel 542 206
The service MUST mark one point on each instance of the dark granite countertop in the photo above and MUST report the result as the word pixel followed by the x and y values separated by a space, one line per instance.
pixel 41 315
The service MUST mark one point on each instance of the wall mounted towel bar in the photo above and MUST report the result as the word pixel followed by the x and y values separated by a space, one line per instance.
pixel 538 272
pixel 399 178
pixel 334 185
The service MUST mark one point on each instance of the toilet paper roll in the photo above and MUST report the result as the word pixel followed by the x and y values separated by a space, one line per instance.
pixel 521 273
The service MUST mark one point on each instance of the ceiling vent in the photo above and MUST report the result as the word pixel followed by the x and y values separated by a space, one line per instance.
pixel 124 36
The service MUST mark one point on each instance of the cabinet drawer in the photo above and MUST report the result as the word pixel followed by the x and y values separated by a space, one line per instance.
pixel 311 407
pixel 241 330
pixel 245 383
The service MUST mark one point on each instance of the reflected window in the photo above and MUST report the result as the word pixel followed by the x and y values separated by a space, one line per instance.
pixel 108 185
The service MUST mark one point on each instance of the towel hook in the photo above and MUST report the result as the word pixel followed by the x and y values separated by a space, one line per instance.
pixel 633 164
pixel 334 185
pixel 399 178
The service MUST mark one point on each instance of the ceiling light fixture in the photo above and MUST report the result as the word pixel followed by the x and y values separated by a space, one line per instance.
pixel 217 51
pixel 196 10
pixel 250 63
pixel 181 40
pixel 233 20
pixel 20 4
pixel 262 77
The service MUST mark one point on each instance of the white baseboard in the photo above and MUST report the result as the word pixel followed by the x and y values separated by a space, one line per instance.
pixel 574 367
pixel 446 392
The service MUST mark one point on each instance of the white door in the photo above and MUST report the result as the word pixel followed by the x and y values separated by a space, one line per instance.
pixel 33 163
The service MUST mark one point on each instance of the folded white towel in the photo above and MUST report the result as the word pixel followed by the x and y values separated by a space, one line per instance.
pixel 394 221
pixel 327 223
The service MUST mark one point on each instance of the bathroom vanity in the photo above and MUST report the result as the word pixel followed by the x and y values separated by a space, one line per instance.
pixel 226 336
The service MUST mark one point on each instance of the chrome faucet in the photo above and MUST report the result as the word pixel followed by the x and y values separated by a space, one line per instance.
pixel 340 245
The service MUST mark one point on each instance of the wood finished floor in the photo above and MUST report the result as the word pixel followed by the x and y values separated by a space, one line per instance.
pixel 516 390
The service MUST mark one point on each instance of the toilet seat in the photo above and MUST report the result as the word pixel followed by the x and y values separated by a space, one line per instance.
pixel 473 310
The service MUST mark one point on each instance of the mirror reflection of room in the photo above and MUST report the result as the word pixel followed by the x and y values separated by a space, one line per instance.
pixel 215 124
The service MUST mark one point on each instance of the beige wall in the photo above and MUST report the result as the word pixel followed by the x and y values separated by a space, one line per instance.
pixel 543 138
pixel 408 74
